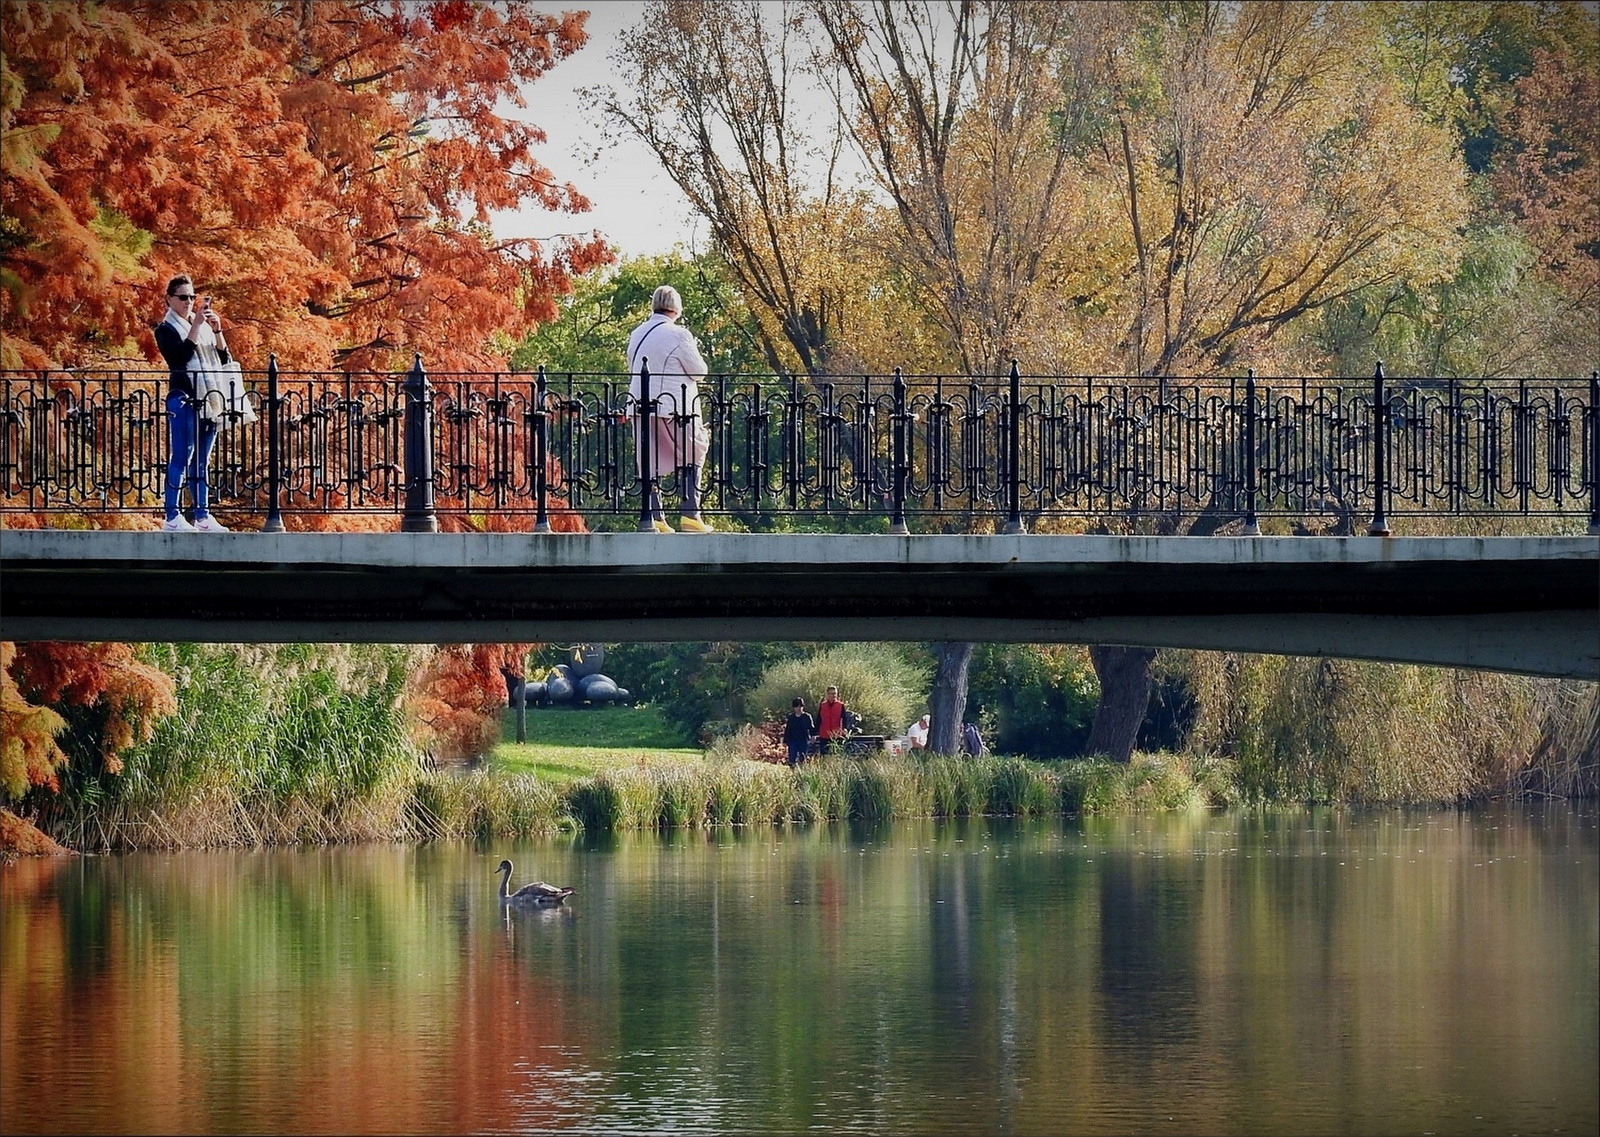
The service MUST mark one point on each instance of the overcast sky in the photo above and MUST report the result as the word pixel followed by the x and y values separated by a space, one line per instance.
pixel 636 206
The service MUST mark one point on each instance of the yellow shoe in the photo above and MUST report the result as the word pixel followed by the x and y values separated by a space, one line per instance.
pixel 662 527
pixel 694 525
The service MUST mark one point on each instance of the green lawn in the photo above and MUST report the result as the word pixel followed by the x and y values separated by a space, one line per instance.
pixel 566 743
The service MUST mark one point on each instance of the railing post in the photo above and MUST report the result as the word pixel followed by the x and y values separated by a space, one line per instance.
pixel 794 444
pixel 274 522
pixel 541 457
pixel 647 460
pixel 1594 453
pixel 1380 431
pixel 1014 455
pixel 419 515
pixel 1251 529
pixel 897 519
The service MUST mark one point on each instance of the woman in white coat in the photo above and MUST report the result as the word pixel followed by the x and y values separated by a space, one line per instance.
pixel 678 440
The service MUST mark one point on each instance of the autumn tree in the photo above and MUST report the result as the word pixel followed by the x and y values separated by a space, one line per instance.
pixel 1515 83
pixel 1547 173
pixel 325 167
pixel 968 117
pixel 717 92
pixel 40 681
pixel 456 697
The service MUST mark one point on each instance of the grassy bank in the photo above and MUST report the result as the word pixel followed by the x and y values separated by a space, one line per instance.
pixel 566 743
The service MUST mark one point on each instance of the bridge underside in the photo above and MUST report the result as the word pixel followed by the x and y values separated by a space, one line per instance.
pixel 1529 605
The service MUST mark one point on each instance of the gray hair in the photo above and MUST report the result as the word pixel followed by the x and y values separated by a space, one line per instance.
pixel 666 299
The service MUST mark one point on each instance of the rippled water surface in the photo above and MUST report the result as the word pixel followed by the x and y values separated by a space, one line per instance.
pixel 1333 972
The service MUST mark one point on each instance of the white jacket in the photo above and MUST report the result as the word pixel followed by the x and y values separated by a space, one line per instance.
pixel 674 360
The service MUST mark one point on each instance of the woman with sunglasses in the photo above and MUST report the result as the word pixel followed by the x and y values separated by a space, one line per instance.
pixel 185 331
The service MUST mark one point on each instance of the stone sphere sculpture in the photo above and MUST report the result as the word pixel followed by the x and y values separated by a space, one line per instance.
pixel 577 682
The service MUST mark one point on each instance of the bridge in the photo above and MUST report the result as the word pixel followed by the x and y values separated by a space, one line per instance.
pixel 1517 604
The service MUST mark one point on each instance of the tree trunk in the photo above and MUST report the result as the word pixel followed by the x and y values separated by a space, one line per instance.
pixel 1124 674
pixel 949 700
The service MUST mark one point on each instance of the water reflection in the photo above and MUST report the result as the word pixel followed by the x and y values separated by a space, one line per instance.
pixel 1306 971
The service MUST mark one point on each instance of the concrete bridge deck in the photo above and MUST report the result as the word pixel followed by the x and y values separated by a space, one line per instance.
pixel 1521 604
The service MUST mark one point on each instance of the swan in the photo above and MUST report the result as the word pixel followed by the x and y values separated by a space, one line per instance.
pixel 536 893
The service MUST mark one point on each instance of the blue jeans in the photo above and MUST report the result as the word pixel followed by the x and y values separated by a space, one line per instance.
pixel 182 421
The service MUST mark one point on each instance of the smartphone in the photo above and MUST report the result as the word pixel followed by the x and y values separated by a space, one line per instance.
pixel 208 303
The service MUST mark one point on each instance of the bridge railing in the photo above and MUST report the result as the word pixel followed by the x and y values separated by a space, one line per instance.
pixel 947 449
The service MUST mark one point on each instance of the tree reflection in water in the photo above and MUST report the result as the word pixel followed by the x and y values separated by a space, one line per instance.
pixel 1300 970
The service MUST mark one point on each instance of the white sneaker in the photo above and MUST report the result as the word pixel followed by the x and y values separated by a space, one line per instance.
pixel 178 524
pixel 209 524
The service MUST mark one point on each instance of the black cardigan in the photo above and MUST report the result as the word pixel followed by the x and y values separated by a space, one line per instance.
pixel 178 351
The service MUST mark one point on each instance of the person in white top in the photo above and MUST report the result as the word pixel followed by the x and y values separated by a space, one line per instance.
pixel 917 734
pixel 678 439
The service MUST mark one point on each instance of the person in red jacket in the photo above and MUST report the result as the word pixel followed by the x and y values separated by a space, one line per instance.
pixel 830 717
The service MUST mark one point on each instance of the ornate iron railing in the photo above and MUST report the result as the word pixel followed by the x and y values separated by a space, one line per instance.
pixel 1005 451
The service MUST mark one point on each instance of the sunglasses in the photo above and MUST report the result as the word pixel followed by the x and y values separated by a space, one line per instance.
pixel 183 296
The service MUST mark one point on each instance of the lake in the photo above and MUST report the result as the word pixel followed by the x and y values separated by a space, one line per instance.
pixel 1296 971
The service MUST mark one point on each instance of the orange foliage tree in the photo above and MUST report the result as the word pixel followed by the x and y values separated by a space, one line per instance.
pixel 325 168
pixel 132 696
pixel 1548 173
pixel 456 698
pixel 29 755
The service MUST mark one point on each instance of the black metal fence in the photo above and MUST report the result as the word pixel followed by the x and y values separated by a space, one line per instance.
pixel 1006 451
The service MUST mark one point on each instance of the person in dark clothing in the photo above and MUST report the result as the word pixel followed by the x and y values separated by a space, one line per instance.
pixel 971 740
pixel 797 731
pixel 186 330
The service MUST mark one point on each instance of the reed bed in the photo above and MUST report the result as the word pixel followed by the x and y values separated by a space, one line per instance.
pixel 480 804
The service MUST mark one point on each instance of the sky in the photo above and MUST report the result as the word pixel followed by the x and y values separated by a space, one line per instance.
pixel 636 206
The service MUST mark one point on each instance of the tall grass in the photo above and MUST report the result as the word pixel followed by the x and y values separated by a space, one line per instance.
pixel 449 804
pixel 271 744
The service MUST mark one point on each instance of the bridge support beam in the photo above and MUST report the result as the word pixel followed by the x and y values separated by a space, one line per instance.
pixel 1528 605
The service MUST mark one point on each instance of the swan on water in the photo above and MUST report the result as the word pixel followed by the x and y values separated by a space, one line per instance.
pixel 536 893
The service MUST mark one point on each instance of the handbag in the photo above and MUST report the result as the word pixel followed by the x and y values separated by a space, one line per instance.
pixel 219 389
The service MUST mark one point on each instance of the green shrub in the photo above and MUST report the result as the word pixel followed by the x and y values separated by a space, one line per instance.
pixel 876 681
pixel 1039 698
pixel 1334 731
